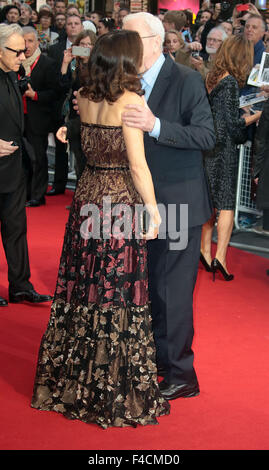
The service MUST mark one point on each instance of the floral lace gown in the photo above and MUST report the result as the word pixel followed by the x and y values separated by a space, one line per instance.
pixel 97 357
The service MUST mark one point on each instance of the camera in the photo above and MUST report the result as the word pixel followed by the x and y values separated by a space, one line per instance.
pixel 81 51
pixel 226 10
pixel 23 84
pixel 224 5
pixel 195 54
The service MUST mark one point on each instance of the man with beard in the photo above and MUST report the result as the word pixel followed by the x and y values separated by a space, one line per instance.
pixel 214 40
pixel 202 62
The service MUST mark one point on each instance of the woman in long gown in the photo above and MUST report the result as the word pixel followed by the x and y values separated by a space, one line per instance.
pixel 230 70
pixel 97 357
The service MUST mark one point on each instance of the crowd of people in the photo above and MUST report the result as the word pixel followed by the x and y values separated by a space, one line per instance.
pixel 150 108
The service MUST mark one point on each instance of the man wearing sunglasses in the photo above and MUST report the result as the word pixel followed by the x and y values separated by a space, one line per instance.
pixel 12 182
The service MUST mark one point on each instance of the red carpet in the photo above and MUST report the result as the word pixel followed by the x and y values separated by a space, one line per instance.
pixel 231 358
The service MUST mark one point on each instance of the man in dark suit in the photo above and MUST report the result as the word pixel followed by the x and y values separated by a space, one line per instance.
pixel 12 181
pixel 38 104
pixel 56 52
pixel 178 125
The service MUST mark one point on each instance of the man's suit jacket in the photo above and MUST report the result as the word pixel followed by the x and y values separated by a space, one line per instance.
pixel 11 128
pixel 56 52
pixel 179 100
pixel 43 81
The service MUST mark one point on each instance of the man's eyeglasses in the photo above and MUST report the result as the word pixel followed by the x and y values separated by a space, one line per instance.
pixel 18 53
pixel 145 37
pixel 214 40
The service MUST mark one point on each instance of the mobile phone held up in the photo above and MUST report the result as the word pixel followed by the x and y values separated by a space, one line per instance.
pixel 81 51
pixel 242 7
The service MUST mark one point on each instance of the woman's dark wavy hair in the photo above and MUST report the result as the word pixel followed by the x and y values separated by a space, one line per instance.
pixel 113 66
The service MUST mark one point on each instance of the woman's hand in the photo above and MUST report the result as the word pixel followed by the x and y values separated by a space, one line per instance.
pixel 251 118
pixel 252 9
pixel 68 57
pixel 61 135
pixel 154 223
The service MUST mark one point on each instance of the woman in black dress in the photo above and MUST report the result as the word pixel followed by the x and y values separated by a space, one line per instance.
pixel 232 65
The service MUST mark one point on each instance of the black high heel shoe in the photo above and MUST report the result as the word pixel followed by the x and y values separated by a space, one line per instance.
pixel 217 266
pixel 205 263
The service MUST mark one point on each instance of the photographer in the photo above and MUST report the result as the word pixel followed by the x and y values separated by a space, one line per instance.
pixel 56 52
pixel 73 75
pixel 240 16
pixel 38 97
pixel 196 59
pixel 214 40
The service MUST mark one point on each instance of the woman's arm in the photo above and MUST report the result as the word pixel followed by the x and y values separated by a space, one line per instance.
pixel 134 141
pixel 67 59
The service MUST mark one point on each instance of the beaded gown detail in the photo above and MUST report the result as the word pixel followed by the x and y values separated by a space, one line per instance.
pixel 97 357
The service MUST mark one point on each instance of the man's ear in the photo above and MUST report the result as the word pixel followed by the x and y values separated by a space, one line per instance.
pixel 157 43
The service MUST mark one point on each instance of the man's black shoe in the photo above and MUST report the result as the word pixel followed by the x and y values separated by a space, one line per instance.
pixel 28 296
pixel 55 192
pixel 3 302
pixel 36 202
pixel 173 391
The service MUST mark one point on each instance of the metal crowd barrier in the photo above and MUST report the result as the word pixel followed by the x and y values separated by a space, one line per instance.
pixel 245 204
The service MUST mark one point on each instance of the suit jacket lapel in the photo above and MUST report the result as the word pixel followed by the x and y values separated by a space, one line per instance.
pixel 160 85
pixel 15 114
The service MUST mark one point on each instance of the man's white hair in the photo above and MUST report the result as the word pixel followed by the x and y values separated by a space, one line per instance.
pixel 45 5
pixel 221 30
pixel 25 5
pixel 7 30
pixel 30 30
pixel 257 17
pixel 153 22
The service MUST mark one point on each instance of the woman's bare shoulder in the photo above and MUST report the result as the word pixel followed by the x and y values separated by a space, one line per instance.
pixel 130 97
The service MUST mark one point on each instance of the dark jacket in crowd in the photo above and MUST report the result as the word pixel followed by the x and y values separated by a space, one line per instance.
pixel 261 165
pixel 12 126
pixel 39 112
pixel 30 24
pixel 56 52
